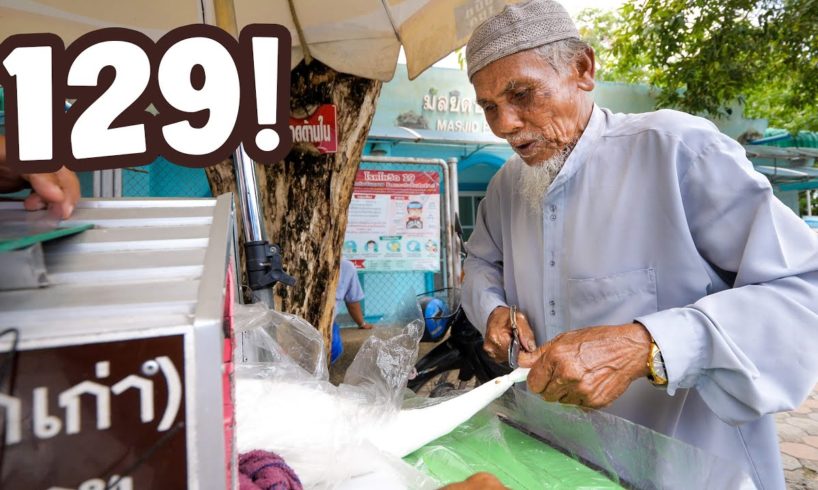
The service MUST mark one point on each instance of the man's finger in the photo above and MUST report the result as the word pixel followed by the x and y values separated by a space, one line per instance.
pixel 34 203
pixel 496 345
pixel 529 359
pixel 47 186
pixel 540 375
pixel 70 184
pixel 557 389
pixel 573 397
pixel 527 341
pixel 59 190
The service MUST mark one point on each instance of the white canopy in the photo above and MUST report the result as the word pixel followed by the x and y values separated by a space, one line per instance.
pixel 361 37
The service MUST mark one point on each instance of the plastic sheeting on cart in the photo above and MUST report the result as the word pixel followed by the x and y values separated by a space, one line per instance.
pixel 286 405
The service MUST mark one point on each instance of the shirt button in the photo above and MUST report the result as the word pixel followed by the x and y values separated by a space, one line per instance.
pixel 553 313
pixel 553 208
pixel 553 263
pixel 553 217
pixel 552 302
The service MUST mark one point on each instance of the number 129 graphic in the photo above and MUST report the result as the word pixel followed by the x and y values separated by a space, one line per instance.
pixel 209 92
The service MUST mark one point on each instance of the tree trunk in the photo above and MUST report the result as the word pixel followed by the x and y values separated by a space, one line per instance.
pixel 305 197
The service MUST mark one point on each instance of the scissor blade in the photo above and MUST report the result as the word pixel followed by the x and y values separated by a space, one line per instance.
pixel 514 351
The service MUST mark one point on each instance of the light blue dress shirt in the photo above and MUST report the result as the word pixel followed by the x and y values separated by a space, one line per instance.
pixel 349 287
pixel 660 218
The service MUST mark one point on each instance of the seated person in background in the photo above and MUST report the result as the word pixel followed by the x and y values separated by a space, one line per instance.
pixel 349 291
pixel 59 190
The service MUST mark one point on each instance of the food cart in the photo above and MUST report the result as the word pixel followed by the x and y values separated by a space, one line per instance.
pixel 116 373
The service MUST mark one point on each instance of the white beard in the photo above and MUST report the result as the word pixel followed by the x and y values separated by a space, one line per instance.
pixel 536 179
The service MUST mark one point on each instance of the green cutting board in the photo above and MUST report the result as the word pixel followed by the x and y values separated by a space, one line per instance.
pixel 520 461
pixel 30 238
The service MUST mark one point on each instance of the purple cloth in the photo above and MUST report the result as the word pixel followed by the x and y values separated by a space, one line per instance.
pixel 262 470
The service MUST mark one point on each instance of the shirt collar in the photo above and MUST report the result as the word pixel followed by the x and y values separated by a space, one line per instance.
pixel 586 144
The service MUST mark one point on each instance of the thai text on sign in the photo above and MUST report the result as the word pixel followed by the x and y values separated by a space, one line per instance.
pixel 394 221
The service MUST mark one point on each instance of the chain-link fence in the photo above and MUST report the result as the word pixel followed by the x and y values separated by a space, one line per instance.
pixel 164 179
pixel 158 179
pixel 384 290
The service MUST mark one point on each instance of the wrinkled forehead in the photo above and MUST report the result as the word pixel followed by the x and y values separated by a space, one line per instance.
pixel 506 74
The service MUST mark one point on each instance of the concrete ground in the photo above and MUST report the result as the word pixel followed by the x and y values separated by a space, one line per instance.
pixel 797 430
pixel 798 435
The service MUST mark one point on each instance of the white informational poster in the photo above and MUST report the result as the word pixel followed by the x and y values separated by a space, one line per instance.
pixel 394 221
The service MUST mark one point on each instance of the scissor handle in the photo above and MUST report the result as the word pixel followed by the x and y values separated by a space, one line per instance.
pixel 514 346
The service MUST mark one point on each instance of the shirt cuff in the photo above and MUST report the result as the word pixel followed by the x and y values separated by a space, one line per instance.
pixel 682 336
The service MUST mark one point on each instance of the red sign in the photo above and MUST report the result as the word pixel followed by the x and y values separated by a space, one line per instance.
pixel 401 185
pixel 320 129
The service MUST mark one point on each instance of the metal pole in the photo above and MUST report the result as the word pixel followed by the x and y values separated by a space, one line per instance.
pixel 448 227
pixel 247 186
pixel 224 13
pixel 809 202
pixel 455 210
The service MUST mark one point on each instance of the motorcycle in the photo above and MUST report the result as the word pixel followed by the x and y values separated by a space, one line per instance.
pixel 461 355
pixel 459 362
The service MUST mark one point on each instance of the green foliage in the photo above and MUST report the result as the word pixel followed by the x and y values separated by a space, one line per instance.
pixel 704 55
pixel 597 28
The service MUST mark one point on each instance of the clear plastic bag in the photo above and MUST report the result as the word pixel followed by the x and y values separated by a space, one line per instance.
pixel 266 336
pixel 285 404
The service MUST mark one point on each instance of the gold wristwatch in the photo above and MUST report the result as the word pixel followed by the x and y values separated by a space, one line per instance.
pixel 656 366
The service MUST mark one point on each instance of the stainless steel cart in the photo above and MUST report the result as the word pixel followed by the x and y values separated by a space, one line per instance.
pixel 115 374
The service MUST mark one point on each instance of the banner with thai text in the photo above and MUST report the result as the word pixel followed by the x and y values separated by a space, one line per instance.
pixel 394 221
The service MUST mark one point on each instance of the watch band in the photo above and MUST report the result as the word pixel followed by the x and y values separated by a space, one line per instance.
pixel 657 374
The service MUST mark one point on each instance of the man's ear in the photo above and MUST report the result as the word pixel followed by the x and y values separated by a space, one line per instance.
pixel 585 66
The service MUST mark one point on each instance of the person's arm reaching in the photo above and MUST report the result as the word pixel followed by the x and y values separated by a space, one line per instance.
pixel 357 314
pixel 59 190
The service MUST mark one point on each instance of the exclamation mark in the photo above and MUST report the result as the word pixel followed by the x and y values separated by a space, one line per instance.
pixel 265 49
pixel 265 69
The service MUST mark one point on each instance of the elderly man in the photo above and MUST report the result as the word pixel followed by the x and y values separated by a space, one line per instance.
pixel 654 271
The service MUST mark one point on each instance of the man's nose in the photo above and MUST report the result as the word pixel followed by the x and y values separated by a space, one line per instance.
pixel 508 121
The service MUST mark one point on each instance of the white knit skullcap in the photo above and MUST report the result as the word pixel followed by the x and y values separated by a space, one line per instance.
pixel 518 28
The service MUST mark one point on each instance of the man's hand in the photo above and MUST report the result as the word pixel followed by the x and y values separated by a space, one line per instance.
pixel 478 481
pixel 591 367
pixel 498 337
pixel 58 191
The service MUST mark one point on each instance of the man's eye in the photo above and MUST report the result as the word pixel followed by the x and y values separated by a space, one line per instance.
pixel 489 108
pixel 520 94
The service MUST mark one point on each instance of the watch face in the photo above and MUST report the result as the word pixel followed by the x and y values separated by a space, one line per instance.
pixel 659 364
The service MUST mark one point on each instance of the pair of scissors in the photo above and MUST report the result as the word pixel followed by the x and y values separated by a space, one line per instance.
pixel 514 346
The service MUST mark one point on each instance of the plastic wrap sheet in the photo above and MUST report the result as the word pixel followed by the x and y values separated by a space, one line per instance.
pixel 270 336
pixel 525 442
